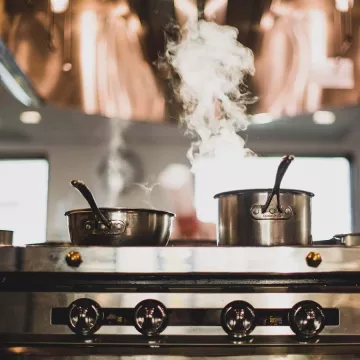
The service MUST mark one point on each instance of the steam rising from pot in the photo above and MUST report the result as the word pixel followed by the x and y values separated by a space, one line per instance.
pixel 212 66
pixel 147 189
pixel 117 168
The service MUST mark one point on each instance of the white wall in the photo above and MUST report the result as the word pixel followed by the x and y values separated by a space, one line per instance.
pixel 81 162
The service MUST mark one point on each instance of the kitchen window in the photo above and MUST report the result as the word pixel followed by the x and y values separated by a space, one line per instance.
pixel 23 199
pixel 329 178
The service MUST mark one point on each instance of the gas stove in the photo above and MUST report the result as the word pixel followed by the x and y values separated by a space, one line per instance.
pixel 63 300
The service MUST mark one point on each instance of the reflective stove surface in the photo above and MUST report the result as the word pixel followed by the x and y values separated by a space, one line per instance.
pixel 87 259
pixel 46 288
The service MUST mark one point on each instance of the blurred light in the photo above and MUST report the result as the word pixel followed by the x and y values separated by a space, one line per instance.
pixel 213 6
pixel 318 54
pixel 187 7
pixel 88 44
pixel 313 98
pixel 134 24
pixel 59 6
pixel 175 176
pixel 67 67
pixel 344 5
pixel 318 35
pixel 267 21
pixel 263 118
pixel 280 8
pixel 324 117
pixel 185 10
pixel 18 350
pixel 121 10
pixel 13 86
pixel 30 117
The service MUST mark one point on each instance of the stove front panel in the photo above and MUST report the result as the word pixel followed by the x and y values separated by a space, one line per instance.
pixel 32 313
pixel 180 260
pixel 173 260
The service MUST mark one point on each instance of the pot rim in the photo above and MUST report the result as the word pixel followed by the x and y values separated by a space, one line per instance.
pixel 51 243
pixel 125 210
pixel 348 234
pixel 237 192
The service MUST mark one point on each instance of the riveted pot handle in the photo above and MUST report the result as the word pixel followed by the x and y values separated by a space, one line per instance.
pixel 272 213
pixel 117 227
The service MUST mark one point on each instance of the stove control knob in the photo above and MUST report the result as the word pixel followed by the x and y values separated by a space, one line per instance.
pixel 84 317
pixel 307 319
pixel 238 319
pixel 150 317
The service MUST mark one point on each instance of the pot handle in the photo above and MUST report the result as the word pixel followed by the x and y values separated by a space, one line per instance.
pixel 285 163
pixel 86 193
pixel 272 214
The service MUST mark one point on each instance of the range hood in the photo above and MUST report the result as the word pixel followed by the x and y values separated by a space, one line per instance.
pixel 97 56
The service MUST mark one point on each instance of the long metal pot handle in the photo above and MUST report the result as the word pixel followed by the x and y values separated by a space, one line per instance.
pixel 86 193
pixel 282 168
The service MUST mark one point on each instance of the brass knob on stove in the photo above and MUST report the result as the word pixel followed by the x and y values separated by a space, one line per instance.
pixel 73 259
pixel 238 319
pixel 150 317
pixel 84 317
pixel 313 259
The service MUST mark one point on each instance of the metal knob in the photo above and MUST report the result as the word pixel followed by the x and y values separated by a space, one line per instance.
pixel 150 317
pixel 313 259
pixel 85 317
pixel 73 259
pixel 238 319
pixel 307 319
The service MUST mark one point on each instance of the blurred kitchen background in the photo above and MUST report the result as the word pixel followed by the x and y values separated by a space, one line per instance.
pixel 93 105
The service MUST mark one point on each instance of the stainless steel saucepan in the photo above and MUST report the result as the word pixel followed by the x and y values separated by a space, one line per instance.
pixel 350 239
pixel 117 226
pixel 6 237
pixel 265 217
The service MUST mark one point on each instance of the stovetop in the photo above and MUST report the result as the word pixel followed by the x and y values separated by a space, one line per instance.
pixel 63 258
pixel 201 300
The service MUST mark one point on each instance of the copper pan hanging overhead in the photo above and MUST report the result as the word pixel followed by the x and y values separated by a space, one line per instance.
pixel 97 55
pixel 85 55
